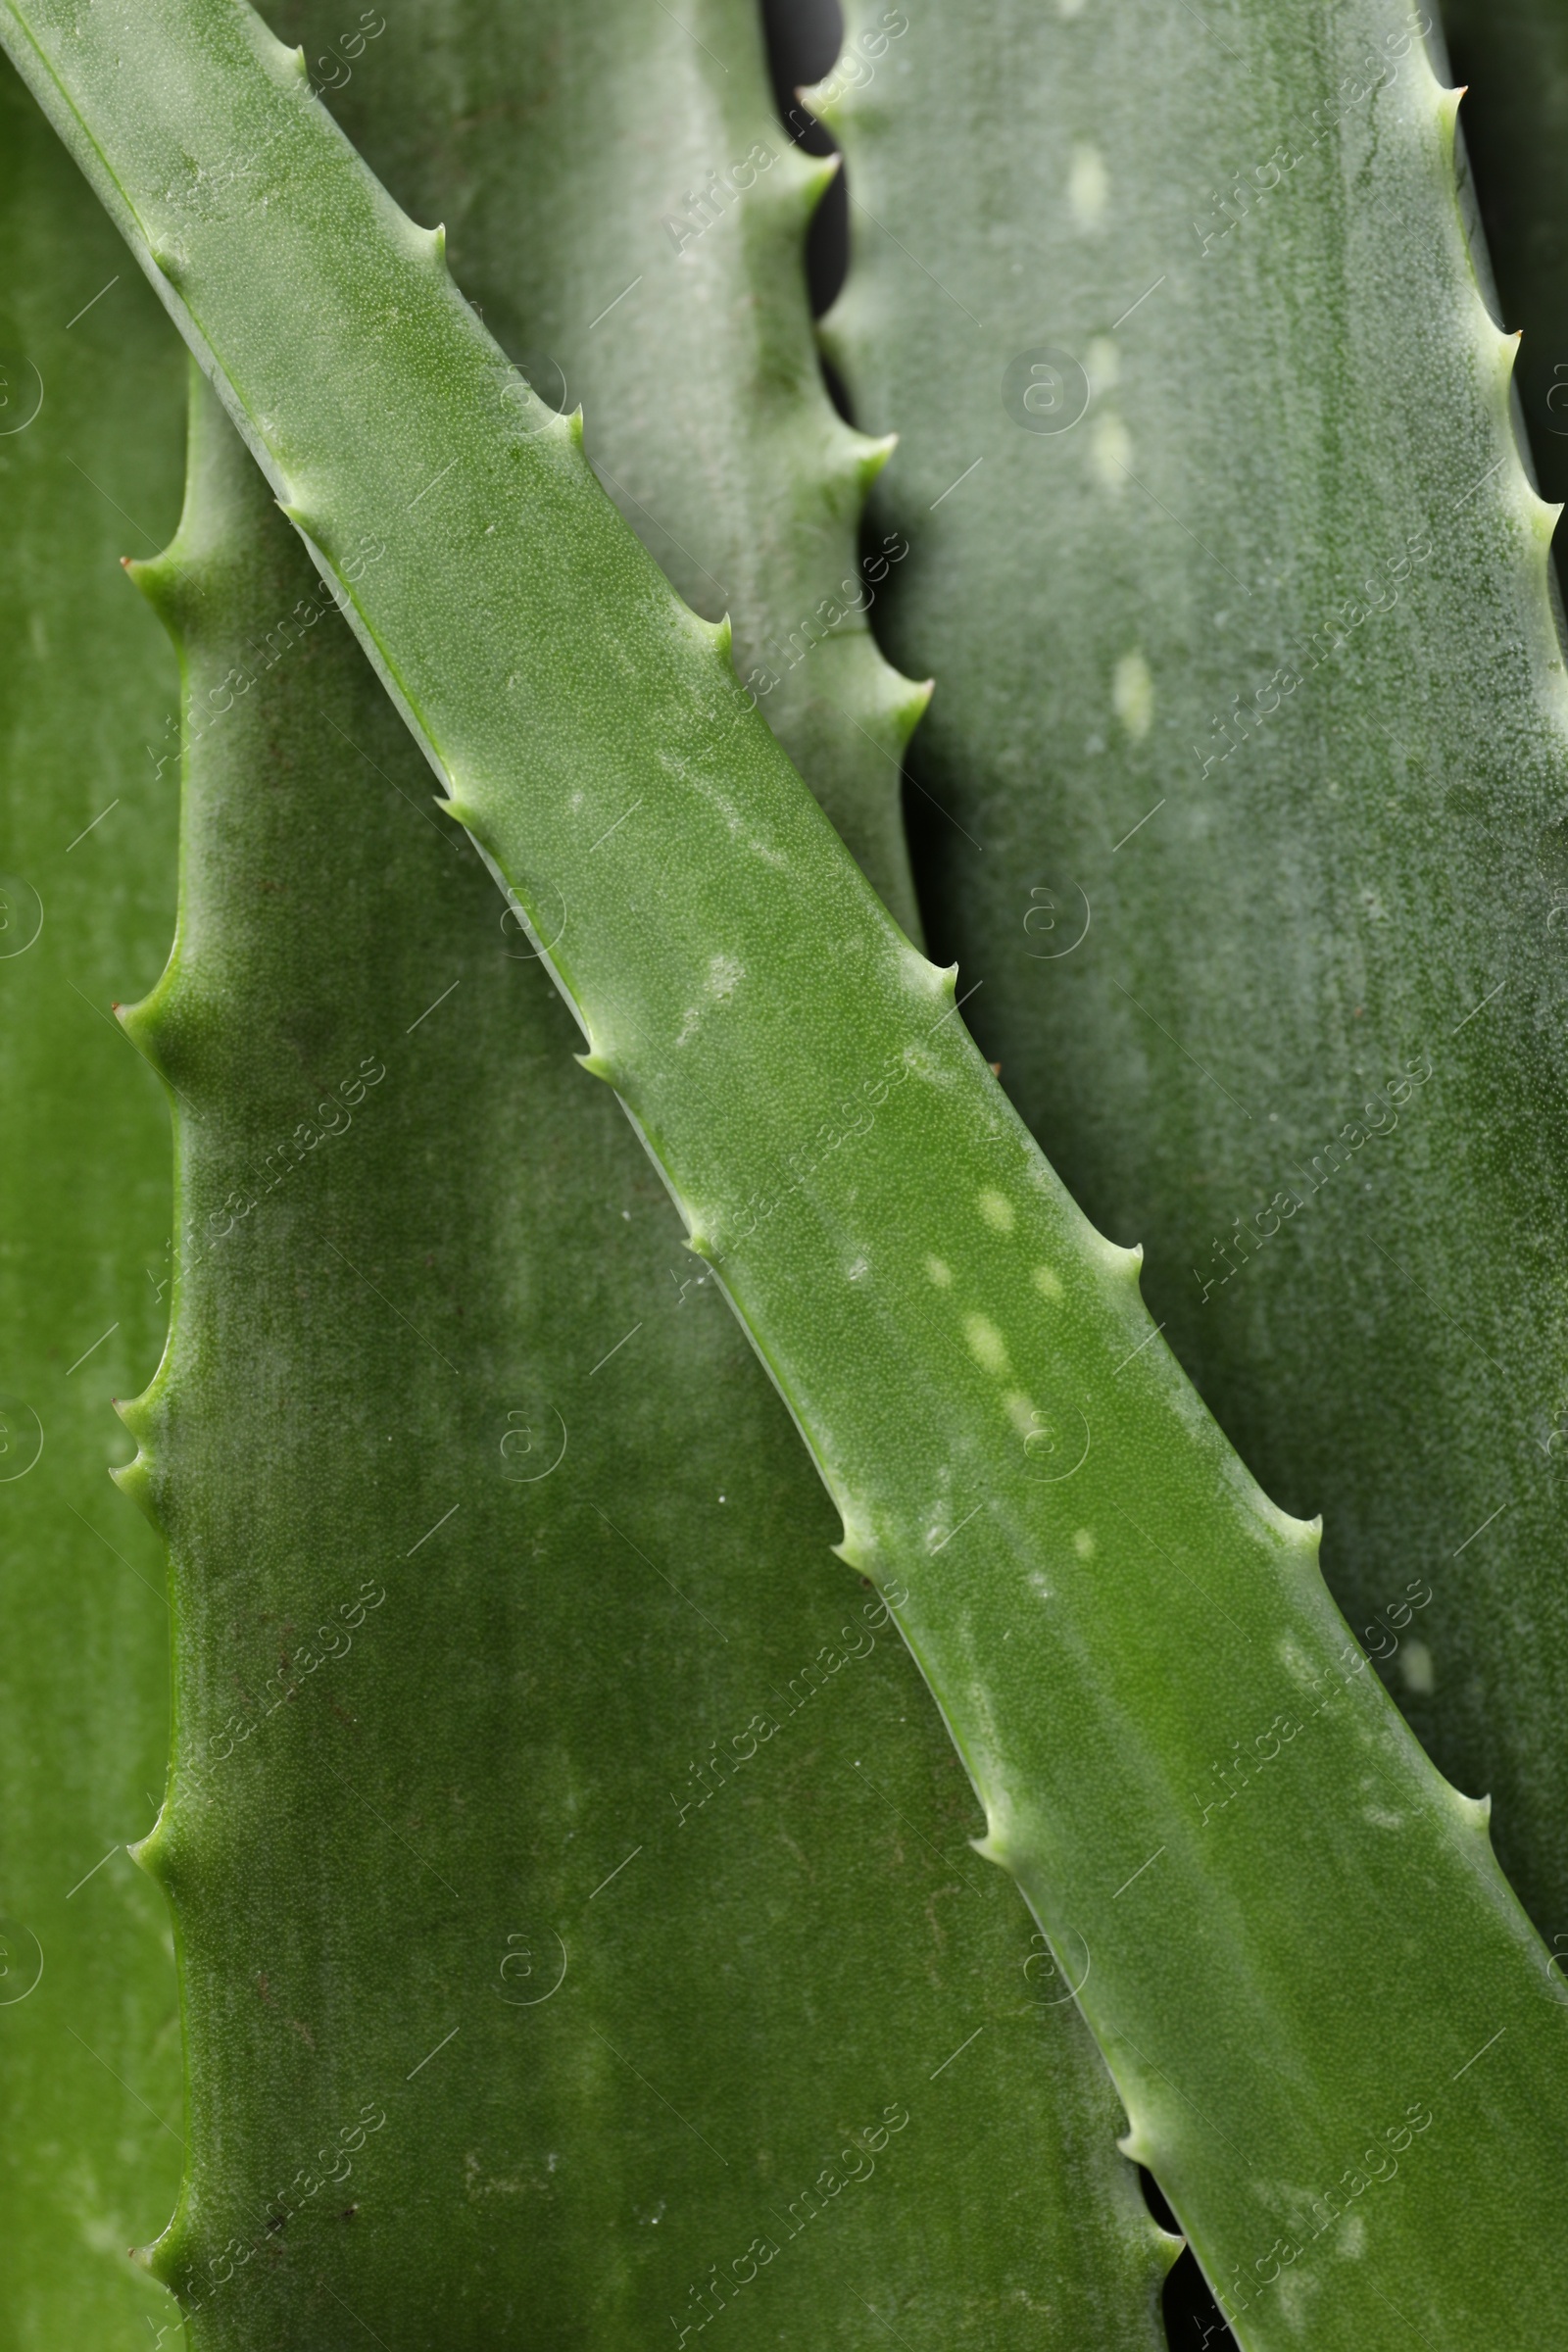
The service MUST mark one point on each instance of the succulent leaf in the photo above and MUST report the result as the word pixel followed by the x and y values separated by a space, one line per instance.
pixel 1269 764
pixel 659 287
pixel 1096 1590
pixel 531 1857
pixel 90 406
pixel 754 521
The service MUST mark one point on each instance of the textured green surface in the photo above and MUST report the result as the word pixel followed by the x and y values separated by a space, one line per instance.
pixel 1513 55
pixel 624 207
pixel 1295 484
pixel 1098 1592
pixel 89 2060
pixel 574 1844
pixel 557 165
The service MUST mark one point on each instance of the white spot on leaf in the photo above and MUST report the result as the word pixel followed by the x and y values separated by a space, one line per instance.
pixel 1131 695
pixel 1087 185
pixel 1111 450
pixel 1415 1664
pixel 1103 364
pixel 1297 1665
pixel 986 1342
pixel 724 976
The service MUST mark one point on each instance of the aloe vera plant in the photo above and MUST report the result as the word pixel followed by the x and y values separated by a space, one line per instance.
pixel 659 286
pixel 1271 795
pixel 1075 2241
pixel 651 1770
pixel 926 1296
pixel 1074 2215
pixel 89 2057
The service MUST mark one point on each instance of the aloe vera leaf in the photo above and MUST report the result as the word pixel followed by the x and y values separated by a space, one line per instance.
pixel 954 1338
pixel 661 287
pixel 89 2055
pixel 1514 58
pixel 567 1863
pixel 483 117
pixel 1214 955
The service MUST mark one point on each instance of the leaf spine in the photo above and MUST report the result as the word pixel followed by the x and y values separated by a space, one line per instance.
pixel 139 1028
pixel 1506 353
pixel 151 1853
pixel 146 1022
pixel 134 1478
pixel 1118 1260
pixel 135 1414
pixel 569 428
pixel 813 175
pixel 857 1548
pixel 165 582
pixel 871 453
pixel 290 66
pixel 822 99
pixel 911 705
pixel 1449 102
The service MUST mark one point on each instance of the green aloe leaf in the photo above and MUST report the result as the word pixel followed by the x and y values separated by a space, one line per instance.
pixel 484 117
pixel 89 463
pixel 658 287
pixel 1096 1590
pixel 1268 765
pixel 530 1854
